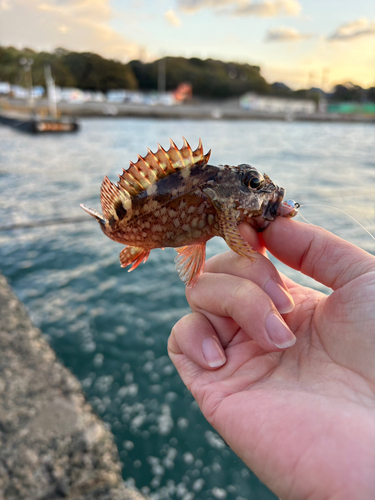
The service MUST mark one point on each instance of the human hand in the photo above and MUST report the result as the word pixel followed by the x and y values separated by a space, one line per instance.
pixel 301 417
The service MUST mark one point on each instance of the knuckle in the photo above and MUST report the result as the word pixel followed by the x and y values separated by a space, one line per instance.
pixel 217 263
pixel 243 292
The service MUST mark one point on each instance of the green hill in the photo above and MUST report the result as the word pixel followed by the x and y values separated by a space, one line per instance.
pixel 209 78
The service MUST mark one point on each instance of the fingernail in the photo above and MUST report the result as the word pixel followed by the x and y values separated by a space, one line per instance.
pixel 280 297
pixel 213 352
pixel 278 332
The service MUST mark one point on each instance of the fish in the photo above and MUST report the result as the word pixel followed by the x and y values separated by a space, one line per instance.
pixel 174 198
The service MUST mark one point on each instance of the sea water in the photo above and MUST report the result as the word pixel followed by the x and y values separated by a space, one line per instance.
pixel 111 327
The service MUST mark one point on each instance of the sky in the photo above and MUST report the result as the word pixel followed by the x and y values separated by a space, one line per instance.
pixel 302 43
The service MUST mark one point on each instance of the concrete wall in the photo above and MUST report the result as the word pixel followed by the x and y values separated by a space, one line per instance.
pixel 52 445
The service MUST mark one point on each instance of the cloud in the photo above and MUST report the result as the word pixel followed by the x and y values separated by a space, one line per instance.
pixel 355 29
pixel 63 28
pixel 172 18
pixel 283 34
pixel 93 10
pixel 269 8
pixel 78 25
pixel 4 5
pixel 266 8
pixel 191 6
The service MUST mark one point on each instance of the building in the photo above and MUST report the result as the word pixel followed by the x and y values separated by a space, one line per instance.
pixel 271 104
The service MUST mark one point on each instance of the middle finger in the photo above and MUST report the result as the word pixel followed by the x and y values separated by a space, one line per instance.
pixel 233 303
pixel 261 272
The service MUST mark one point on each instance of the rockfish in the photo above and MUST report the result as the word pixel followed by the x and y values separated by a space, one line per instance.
pixel 175 199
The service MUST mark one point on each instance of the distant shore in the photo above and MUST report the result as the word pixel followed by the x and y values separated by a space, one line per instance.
pixel 205 110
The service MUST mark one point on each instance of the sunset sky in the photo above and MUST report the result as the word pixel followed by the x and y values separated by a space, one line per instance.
pixel 300 42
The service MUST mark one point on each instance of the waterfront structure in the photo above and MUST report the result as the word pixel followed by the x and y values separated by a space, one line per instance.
pixel 272 104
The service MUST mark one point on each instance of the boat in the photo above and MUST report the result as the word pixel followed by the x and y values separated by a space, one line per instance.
pixel 37 120
pixel 37 124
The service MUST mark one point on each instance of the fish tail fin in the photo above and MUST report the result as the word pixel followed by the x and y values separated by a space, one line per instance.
pixel 133 255
pixel 94 214
pixel 190 262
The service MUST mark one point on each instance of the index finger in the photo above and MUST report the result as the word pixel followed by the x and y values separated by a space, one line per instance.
pixel 316 252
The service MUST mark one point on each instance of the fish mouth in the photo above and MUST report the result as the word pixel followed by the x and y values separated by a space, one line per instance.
pixel 273 205
pixel 270 212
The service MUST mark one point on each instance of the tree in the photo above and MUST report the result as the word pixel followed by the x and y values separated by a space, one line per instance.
pixel 209 78
pixel 347 92
pixel 93 72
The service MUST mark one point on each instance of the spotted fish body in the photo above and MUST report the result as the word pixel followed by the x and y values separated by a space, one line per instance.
pixel 175 199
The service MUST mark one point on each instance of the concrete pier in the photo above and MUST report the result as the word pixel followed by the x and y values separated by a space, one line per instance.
pixel 53 446
pixel 204 110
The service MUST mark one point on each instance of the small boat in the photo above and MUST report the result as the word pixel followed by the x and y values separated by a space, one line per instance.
pixel 37 124
pixel 38 120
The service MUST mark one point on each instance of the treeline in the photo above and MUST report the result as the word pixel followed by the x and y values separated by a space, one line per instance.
pixel 89 71
pixel 209 78
pixel 69 69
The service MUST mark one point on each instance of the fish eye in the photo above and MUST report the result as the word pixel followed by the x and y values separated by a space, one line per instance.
pixel 253 180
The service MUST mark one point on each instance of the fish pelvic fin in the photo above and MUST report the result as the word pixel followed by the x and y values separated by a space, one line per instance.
pixel 94 214
pixel 190 262
pixel 133 255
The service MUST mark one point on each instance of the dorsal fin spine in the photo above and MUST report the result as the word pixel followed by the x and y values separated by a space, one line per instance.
pixel 170 168
pixel 132 173
pixel 126 184
pixel 151 175
pixel 160 169
pixel 140 176
pixel 145 170
pixel 178 153
pixel 200 147
pixel 109 194
pixel 163 164
pixel 187 145
pixel 129 177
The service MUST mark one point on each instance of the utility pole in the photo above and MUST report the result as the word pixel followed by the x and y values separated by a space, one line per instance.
pixel 51 90
pixel 310 80
pixel 324 80
pixel 28 64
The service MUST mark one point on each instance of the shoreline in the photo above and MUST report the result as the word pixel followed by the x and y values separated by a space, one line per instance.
pixel 206 110
pixel 53 445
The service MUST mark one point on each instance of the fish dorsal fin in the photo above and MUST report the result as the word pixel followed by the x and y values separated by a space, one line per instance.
pixel 154 166
pixel 140 176
pixel 115 202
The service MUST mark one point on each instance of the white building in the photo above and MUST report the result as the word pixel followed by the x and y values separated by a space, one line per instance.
pixel 5 88
pixel 271 104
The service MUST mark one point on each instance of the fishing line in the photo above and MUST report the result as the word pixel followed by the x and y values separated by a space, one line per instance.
pixel 335 208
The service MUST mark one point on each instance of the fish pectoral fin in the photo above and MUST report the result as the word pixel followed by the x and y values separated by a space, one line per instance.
pixel 229 229
pixel 133 255
pixel 190 262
